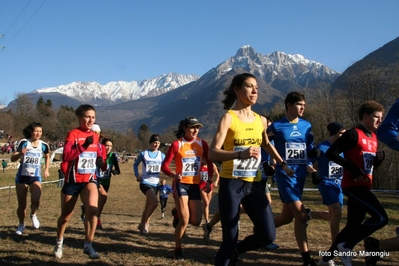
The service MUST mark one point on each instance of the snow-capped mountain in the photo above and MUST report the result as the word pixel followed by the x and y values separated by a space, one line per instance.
pixel 120 91
pixel 278 67
pixel 276 74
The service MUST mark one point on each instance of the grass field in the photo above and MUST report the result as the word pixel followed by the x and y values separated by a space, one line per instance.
pixel 120 243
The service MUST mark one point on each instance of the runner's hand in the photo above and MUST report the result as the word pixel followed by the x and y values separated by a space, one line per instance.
pixel 88 141
pixel 288 170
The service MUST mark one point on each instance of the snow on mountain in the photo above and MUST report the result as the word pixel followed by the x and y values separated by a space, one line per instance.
pixel 280 70
pixel 121 91
pixel 277 65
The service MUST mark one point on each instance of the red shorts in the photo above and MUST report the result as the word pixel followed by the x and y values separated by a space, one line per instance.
pixel 206 186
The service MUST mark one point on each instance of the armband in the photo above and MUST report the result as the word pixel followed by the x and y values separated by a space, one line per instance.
pixel 239 155
pixel 283 163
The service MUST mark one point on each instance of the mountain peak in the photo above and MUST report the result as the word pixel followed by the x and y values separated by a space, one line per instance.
pixel 121 91
pixel 246 50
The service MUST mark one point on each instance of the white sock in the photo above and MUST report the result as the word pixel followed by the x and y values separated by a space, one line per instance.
pixel 59 241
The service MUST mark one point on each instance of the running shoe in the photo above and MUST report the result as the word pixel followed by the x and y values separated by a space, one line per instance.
pixel 58 251
pixel 271 246
pixel 233 259
pixel 99 225
pixel 82 214
pixel 35 221
pixel 178 254
pixel 140 227
pixel 207 231
pixel 371 244
pixel 20 229
pixel 89 250
pixel 175 217
pixel 162 215
pixel 145 229
pixel 326 263
pixel 346 257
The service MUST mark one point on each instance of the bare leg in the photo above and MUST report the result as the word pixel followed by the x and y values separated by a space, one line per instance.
pixel 89 197
pixel 22 191
pixel 67 205
pixel 102 199
pixel 35 194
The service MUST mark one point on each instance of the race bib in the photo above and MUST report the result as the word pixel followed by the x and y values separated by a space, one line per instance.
pixel 87 163
pixel 368 160
pixel 296 153
pixel 204 176
pixel 31 164
pixel 191 166
pixel 334 170
pixel 152 167
pixel 245 167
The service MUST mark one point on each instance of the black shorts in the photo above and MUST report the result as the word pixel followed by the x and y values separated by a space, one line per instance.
pixel 74 188
pixel 144 188
pixel 190 190
pixel 27 180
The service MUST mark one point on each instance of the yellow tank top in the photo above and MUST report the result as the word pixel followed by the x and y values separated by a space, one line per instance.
pixel 240 136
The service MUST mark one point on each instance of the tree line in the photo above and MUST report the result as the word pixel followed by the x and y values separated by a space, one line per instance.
pixel 323 106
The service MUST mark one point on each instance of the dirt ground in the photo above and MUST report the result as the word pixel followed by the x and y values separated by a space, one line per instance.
pixel 120 243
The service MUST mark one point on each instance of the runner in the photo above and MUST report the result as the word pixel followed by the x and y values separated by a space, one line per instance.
pixel 151 160
pixel 96 129
pixel 105 177
pixel 206 187
pixel 293 139
pixel 237 142
pixel 81 157
pixel 361 155
pixel 164 191
pixel 187 151
pixel 328 180
pixel 30 151
pixel 387 133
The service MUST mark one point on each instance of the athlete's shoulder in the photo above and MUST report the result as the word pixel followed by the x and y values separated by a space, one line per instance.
pixel 281 121
pixel 45 146
pixel 74 133
pixel 23 143
pixel 324 145
pixel 304 122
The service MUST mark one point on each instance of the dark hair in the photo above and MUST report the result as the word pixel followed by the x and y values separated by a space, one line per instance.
pixel 82 109
pixel 369 107
pixel 154 137
pixel 27 131
pixel 334 127
pixel 293 97
pixel 269 119
pixel 179 133
pixel 105 139
pixel 231 97
pixel 180 130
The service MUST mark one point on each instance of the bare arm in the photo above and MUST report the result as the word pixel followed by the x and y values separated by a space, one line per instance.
pixel 270 149
pixel 216 153
pixel 216 172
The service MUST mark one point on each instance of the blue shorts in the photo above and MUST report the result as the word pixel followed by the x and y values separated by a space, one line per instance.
pixel 27 180
pixel 190 190
pixel 145 187
pixel 290 188
pixel 74 189
pixel 331 191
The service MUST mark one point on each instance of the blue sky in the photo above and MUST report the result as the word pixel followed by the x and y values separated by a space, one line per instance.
pixel 54 42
